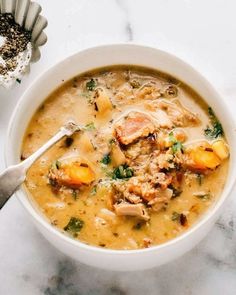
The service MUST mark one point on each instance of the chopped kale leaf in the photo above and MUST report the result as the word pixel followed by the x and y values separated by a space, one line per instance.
pixel 106 159
pixel 122 171
pixel 74 225
pixel 180 217
pixel 90 126
pixel 177 146
pixel 93 190
pixel 90 85
pixel 216 130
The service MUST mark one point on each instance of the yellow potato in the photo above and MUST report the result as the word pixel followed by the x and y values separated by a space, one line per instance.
pixel 78 173
pixel 85 143
pixel 102 100
pixel 220 148
pixel 204 158
pixel 117 156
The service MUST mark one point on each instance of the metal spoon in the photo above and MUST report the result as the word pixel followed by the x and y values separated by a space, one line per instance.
pixel 14 176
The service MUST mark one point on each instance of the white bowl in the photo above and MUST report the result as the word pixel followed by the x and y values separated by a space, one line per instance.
pixel 122 260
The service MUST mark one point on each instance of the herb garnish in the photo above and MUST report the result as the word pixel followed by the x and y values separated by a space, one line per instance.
pixel 176 192
pixel 93 190
pixel 175 216
pixel 56 165
pixel 122 171
pixel 90 85
pixel 74 225
pixel 90 126
pixel 180 217
pixel 203 196
pixel 106 159
pixel 177 146
pixel 216 130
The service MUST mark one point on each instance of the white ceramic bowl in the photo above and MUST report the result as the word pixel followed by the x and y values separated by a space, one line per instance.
pixel 122 260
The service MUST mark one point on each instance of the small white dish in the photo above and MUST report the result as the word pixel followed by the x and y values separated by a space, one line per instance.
pixel 122 260
pixel 27 14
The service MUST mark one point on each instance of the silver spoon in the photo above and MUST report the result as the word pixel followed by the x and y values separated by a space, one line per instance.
pixel 14 176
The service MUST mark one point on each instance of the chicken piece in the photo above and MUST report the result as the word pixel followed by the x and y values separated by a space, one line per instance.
pixel 162 119
pixel 179 116
pixel 141 187
pixel 71 173
pixel 161 179
pixel 148 91
pixel 161 200
pixel 125 92
pixel 133 126
pixel 126 209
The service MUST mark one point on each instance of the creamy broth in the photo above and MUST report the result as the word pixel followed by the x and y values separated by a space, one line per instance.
pixel 119 184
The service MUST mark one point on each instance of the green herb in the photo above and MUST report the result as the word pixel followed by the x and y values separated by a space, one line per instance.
pixel 90 126
pixel 122 171
pixel 18 80
pixel 86 95
pixel 93 190
pixel 175 216
pixel 135 83
pixel 74 225
pixel 56 165
pixel 106 159
pixel 90 85
pixel 75 194
pixel 216 130
pixel 176 192
pixel 200 178
pixel 180 217
pixel 112 141
pixel 177 146
pixel 203 196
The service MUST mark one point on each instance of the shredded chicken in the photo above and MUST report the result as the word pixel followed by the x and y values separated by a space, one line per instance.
pixel 137 210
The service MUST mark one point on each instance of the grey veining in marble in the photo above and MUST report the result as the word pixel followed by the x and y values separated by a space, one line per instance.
pixel 202 33
pixel 128 28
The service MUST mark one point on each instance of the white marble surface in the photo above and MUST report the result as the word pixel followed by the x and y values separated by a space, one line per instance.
pixel 203 33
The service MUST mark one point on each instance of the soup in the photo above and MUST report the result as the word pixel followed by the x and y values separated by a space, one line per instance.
pixel 148 162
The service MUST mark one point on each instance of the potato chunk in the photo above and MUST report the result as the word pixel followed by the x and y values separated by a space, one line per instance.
pixel 203 157
pixel 79 173
pixel 70 173
pixel 85 143
pixel 102 101
pixel 117 156
pixel 220 148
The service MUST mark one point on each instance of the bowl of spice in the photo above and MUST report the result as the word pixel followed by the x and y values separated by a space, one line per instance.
pixel 21 35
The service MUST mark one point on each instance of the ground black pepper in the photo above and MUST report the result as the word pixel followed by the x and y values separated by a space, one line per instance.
pixel 17 39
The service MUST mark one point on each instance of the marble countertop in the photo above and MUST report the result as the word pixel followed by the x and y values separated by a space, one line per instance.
pixel 201 32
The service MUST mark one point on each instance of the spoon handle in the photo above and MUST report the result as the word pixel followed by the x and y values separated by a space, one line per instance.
pixel 14 176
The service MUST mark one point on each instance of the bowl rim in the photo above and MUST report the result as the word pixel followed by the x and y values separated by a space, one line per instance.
pixel 42 220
